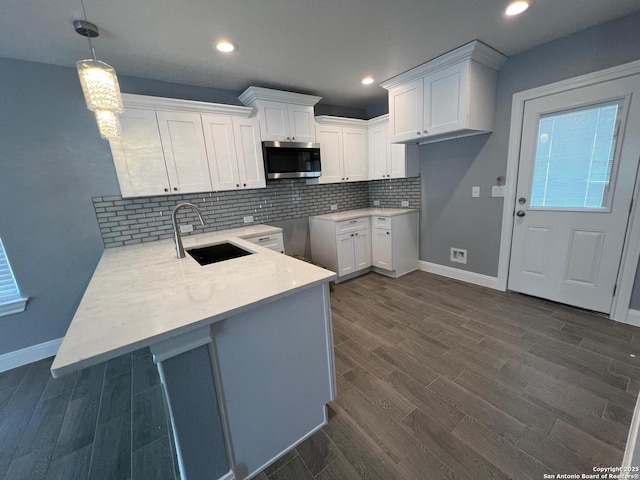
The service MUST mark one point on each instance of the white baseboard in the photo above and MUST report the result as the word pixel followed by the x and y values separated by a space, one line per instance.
pixel 27 355
pixel 456 273
pixel 633 318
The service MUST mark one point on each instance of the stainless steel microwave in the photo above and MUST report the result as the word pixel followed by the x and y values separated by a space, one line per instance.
pixel 291 159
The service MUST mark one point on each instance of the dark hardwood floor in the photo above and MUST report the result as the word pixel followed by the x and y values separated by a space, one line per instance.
pixel 441 379
pixel 104 422
pixel 436 379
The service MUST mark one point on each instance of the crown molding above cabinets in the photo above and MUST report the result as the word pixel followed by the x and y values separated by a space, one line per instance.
pixel 449 97
pixel 284 116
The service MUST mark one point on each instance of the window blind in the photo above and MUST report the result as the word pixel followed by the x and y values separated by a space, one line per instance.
pixel 9 291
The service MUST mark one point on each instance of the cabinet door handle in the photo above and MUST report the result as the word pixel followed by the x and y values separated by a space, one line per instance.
pixel 426 133
pixel 352 234
pixel 342 178
pixel 244 184
pixel 388 233
pixel 353 221
pixel 166 189
pixel 418 133
pixel 175 189
pixel 288 138
pixel 237 185
pixel 264 239
pixel 293 138
pixel 347 178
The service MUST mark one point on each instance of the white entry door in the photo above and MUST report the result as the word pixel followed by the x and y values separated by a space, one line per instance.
pixel 578 159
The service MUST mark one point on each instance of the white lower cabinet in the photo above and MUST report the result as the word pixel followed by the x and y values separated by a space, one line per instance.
pixel 382 248
pixel 344 247
pixel 387 244
pixel 273 241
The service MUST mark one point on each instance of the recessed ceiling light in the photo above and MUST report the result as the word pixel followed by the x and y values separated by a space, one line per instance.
pixel 226 46
pixel 516 8
pixel 367 80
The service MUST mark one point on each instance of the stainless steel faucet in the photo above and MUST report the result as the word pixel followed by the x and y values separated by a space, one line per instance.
pixel 176 230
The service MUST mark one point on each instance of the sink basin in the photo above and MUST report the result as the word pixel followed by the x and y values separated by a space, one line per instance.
pixel 217 253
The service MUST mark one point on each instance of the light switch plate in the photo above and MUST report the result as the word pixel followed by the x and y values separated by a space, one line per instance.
pixel 475 192
pixel 376 203
pixel 498 190
pixel 404 203
pixel 186 228
pixel 334 206
pixel 248 219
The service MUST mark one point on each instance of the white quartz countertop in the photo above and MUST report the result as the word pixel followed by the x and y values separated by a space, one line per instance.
pixel 364 212
pixel 142 294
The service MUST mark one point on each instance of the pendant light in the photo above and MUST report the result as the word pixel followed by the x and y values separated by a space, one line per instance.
pixel 99 84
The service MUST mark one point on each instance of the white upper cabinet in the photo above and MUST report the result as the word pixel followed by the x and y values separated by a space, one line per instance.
pixel 343 149
pixel 248 148
pixel 172 146
pixel 138 155
pixel 184 152
pixel 284 116
pixel 387 160
pixel 449 97
pixel 233 148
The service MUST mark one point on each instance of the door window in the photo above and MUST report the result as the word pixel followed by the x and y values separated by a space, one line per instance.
pixel 574 158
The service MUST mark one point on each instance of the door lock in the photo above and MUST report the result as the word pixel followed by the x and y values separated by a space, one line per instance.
pixel 522 200
pixel 520 213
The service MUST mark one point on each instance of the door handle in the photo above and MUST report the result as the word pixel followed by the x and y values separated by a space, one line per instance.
pixel 520 213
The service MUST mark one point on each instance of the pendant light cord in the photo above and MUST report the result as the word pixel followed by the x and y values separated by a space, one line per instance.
pixel 93 52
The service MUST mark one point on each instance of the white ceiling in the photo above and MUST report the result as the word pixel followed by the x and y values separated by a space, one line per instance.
pixel 321 47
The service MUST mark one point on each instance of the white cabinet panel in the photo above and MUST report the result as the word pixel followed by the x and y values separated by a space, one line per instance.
pixel 446 100
pixel 274 120
pixel 362 249
pixel 382 249
pixel 406 105
pixel 400 158
pixel 377 152
pixel 330 139
pixel 346 254
pixel 249 151
pixel 184 151
pixel 221 150
pixel 138 155
pixel 301 123
pixel 355 154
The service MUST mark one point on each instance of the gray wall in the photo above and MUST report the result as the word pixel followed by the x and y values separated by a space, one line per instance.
pixel 53 161
pixel 449 216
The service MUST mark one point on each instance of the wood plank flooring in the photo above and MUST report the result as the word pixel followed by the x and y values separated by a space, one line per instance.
pixel 438 379
pixel 104 422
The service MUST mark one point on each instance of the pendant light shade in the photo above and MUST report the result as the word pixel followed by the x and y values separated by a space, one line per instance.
pixel 100 86
pixel 108 124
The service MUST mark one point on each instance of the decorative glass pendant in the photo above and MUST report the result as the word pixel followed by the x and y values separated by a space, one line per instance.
pixel 100 86
pixel 108 124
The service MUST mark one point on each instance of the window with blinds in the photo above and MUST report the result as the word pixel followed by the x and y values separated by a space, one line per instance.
pixel 575 154
pixel 11 301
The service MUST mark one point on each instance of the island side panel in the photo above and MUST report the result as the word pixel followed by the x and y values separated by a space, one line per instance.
pixel 192 397
pixel 275 366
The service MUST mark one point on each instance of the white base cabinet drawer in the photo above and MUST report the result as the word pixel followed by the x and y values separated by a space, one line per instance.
pixel 274 241
pixel 348 226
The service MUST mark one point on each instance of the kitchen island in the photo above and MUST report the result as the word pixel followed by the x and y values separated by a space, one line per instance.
pixel 243 347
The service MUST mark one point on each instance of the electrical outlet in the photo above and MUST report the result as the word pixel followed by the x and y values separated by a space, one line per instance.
pixel 248 219
pixel 334 206
pixel 186 228
pixel 475 192
pixel 458 255
pixel 376 203
pixel 404 203
pixel 498 190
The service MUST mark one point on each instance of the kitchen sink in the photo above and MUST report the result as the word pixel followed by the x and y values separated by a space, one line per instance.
pixel 217 253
